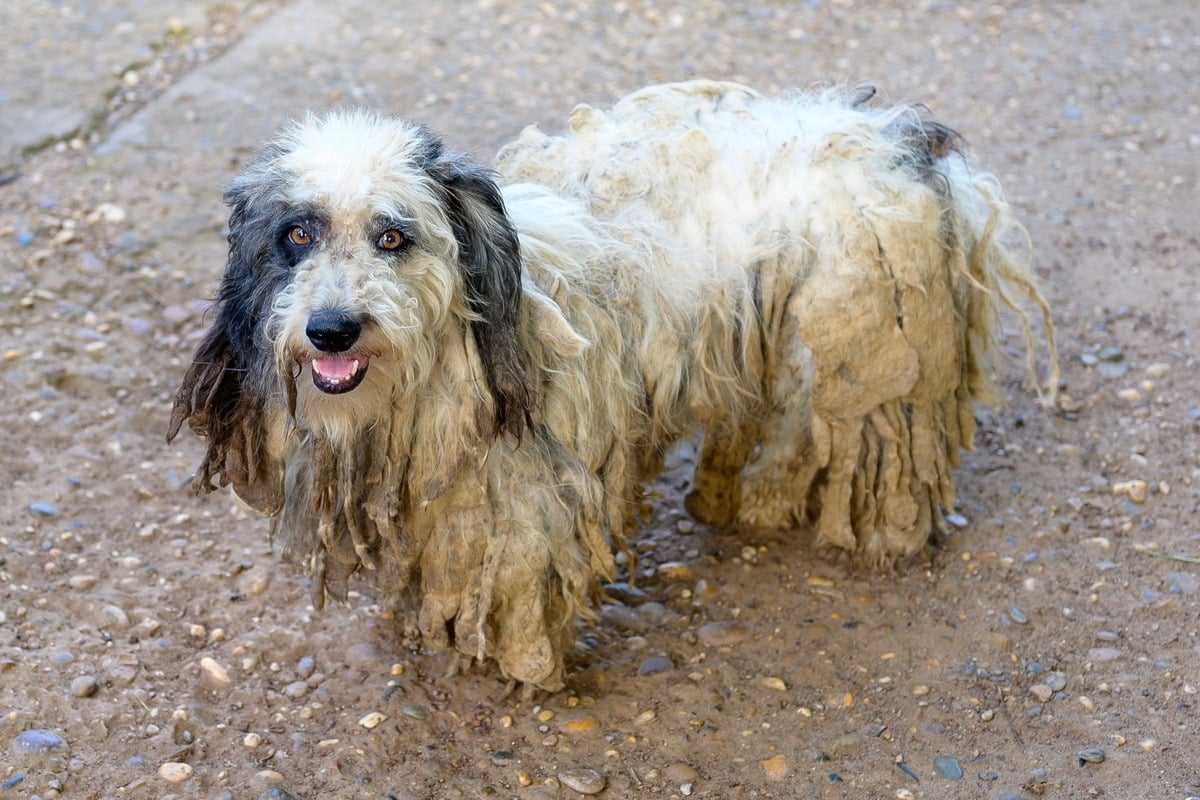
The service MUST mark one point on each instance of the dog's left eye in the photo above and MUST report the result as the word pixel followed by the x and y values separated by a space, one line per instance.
pixel 390 240
pixel 299 236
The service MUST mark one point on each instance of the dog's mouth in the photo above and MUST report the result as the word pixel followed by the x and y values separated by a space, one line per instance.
pixel 339 373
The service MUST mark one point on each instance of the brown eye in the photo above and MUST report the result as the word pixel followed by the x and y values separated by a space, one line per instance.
pixel 300 236
pixel 391 239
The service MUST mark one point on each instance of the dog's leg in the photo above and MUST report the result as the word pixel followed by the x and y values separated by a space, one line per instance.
pixel 504 570
pixel 777 481
pixel 717 484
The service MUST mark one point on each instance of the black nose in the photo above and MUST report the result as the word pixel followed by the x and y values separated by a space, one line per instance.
pixel 333 331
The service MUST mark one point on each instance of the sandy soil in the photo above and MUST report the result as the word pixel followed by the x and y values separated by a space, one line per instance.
pixel 151 646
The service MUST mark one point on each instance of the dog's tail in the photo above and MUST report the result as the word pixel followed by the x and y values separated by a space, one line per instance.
pixel 997 262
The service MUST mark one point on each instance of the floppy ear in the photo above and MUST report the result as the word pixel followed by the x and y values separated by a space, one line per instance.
pixel 220 398
pixel 490 259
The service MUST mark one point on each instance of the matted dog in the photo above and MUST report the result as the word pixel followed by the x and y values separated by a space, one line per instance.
pixel 455 383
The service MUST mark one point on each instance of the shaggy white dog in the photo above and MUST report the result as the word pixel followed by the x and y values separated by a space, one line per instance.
pixel 458 390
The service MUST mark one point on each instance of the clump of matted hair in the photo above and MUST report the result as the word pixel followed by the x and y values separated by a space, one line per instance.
pixel 859 265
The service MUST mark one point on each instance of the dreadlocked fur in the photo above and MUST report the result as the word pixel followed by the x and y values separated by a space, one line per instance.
pixel 458 391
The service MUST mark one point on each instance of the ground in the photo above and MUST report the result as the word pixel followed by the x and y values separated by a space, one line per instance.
pixel 151 646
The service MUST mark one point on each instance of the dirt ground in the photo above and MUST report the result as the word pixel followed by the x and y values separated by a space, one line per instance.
pixel 151 646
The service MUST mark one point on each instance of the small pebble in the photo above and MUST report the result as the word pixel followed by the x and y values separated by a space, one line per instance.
pixel 622 616
pixel 1135 489
pixel 82 583
pixel 1018 616
pixel 107 212
pixel 723 634
pixel 676 571
pixel 268 776
pixel 1158 369
pixel 115 615
pixel 85 686
pixel 1091 755
pixel 1041 691
pixel 949 767
pixel 37 741
pixel 277 794
pixel 306 667
pixel 295 690
pixel 252 740
pixel 1103 654
pixel 624 592
pixel 654 665
pixel 581 725
pixel 957 520
pixel 1056 681
pixel 416 712
pixel 372 720
pixel 43 509
pixel 584 781
pixel 680 772
pixel 175 771
pixel 775 767
pixel 214 675
pixel 773 683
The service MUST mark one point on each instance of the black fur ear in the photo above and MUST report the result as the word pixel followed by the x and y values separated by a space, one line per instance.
pixel 490 259
pixel 222 396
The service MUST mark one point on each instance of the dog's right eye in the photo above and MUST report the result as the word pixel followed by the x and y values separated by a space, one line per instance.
pixel 299 235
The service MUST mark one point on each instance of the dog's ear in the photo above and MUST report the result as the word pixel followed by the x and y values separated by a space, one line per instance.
pixel 218 397
pixel 490 259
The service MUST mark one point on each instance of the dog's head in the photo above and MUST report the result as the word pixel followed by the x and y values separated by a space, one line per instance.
pixel 358 250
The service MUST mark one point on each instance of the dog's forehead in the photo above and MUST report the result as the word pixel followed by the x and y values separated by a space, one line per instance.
pixel 357 161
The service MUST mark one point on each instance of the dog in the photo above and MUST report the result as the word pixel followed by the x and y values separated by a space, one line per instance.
pixel 455 382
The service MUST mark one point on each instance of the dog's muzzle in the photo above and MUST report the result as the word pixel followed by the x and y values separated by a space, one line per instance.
pixel 334 333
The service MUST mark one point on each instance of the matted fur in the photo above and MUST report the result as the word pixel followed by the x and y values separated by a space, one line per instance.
pixel 810 281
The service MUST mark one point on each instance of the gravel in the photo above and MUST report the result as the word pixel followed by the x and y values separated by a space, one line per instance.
pixel 583 780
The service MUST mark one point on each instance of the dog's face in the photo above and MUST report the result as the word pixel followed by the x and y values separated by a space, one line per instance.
pixel 362 259
pixel 359 251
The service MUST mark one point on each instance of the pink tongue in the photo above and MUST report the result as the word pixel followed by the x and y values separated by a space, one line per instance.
pixel 334 367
